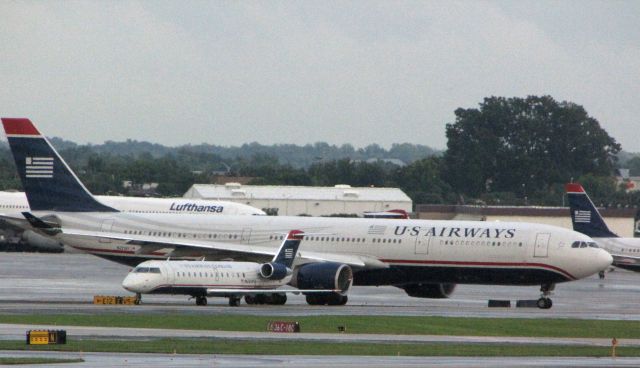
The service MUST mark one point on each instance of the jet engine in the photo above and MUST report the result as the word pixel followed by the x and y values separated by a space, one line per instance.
pixel 41 243
pixel 323 276
pixel 425 290
pixel 274 271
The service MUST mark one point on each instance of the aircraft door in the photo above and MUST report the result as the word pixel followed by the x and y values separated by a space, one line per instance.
pixel 542 245
pixel 106 227
pixel 246 235
pixel 422 244
pixel 170 274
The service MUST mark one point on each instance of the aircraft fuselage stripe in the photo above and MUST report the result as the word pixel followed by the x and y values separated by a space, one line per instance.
pixel 481 264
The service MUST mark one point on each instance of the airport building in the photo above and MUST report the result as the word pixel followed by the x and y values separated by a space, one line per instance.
pixel 620 220
pixel 301 200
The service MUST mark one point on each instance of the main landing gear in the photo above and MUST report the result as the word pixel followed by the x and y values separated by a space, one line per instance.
pixel 327 299
pixel 273 299
pixel 234 301
pixel 545 302
pixel 201 300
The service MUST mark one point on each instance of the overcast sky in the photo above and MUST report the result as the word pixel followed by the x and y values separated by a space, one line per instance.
pixel 358 72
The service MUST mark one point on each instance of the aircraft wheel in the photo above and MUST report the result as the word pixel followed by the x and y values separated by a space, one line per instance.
pixel 278 299
pixel 261 299
pixel 201 300
pixel 544 303
pixel 234 301
pixel 250 299
pixel 337 299
pixel 313 299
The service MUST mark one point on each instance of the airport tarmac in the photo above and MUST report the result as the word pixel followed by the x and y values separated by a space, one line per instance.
pixel 310 361
pixel 66 283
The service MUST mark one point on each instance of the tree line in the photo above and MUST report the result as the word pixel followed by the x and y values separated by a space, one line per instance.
pixel 509 151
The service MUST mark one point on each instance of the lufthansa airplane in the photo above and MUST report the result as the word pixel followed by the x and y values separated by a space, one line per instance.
pixel 425 258
pixel 12 204
pixel 258 283
pixel 587 220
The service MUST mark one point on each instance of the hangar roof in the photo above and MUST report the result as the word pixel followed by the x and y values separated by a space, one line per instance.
pixel 338 192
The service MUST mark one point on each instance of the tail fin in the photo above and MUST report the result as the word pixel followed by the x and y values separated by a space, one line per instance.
pixel 48 182
pixel 287 252
pixel 584 215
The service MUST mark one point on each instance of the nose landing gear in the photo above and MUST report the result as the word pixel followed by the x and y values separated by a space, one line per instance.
pixel 545 302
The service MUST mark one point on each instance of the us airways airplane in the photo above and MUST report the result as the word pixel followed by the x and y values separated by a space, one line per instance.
pixel 425 258
pixel 258 283
pixel 587 220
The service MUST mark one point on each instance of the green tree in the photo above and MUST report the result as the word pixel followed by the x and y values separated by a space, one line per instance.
pixel 634 166
pixel 422 181
pixel 524 146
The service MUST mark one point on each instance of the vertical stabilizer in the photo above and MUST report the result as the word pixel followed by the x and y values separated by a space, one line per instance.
pixel 48 182
pixel 584 215
pixel 289 248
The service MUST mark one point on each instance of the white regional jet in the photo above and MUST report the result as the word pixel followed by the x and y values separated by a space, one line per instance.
pixel 258 283
pixel 587 220
pixel 425 258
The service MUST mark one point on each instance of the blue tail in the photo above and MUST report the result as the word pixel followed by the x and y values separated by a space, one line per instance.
pixel 287 252
pixel 584 215
pixel 48 182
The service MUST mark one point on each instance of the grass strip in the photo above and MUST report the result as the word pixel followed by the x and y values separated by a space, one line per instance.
pixel 410 325
pixel 20 361
pixel 221 346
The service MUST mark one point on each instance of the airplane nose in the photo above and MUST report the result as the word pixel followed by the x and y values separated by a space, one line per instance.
pixel 128 283
pixel 604 259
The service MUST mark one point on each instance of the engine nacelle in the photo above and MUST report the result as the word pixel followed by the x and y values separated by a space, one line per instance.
pixel 323 276
pixel 274 271
pixel 41 242
pixel 424 290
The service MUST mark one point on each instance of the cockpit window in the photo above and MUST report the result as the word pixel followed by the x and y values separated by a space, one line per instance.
pixel 154 270
pixel 579 244
pixel 141 270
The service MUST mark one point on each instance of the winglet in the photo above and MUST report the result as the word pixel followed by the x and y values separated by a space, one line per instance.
pixel 40 224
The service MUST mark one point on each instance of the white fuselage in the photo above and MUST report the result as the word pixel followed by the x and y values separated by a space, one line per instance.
pixel 441 251
pixel 191 277
pixel 625 251
pixel 16 203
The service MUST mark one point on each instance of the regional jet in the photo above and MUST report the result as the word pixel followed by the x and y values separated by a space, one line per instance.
pixel 258 283
pixel 587 220
pixel 423 257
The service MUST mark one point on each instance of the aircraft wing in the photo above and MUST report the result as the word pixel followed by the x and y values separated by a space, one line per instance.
pixel 220 250
pixel 19 222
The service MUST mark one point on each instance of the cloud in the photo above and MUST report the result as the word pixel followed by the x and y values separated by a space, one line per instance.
pixel 344 72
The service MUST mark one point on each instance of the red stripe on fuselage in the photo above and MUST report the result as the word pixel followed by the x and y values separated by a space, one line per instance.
pixel 19 126
pixel 481 264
